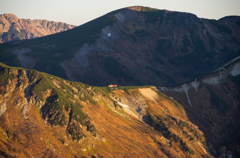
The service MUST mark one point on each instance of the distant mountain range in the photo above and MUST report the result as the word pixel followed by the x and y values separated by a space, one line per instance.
pixel 12 28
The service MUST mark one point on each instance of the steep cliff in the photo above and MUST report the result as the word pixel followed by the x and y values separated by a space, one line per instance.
pixel 12 28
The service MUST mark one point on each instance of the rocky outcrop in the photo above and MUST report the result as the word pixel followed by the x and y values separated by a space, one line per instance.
pixel 3 108
pixel 12 28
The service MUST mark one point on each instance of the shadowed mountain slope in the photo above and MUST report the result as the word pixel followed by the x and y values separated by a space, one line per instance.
pixel 213 103
pixel 132 46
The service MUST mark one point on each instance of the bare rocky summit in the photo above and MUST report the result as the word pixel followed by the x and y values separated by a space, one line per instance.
pixel 12 28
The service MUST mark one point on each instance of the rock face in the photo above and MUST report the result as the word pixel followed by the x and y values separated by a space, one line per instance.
pixel 133 46
pixel 12 28
pixel 45 116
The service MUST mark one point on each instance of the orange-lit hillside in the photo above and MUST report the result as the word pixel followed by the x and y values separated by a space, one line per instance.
pixel 45 116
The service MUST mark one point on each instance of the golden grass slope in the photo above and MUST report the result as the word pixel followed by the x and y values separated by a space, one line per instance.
pixel 25 132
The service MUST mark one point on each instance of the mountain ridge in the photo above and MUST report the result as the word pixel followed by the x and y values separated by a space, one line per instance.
pixel 12 28
pixel 118 45
pixel 43 115
pixel 27 89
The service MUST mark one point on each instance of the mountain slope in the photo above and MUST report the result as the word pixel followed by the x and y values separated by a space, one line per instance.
pixel 132 46
pixel 12 28
pixel 45 116
pixel 212 103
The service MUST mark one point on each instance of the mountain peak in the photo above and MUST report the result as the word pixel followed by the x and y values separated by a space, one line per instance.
pixel 135 8
pixel 140 8
pixel 10 17
pixel 169 48
pixel 12 28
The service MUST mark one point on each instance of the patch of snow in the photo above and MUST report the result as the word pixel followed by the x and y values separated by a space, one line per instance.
pixel 123 105
pixel 186 88
pixel 104 44
pixel 216 80
pixel 178 89
pixel 213 80
pixel 195 85
pixel 236 70
pixel 110 31
pixel 228 63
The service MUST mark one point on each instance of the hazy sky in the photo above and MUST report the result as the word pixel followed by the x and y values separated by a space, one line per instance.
pixel 78 12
